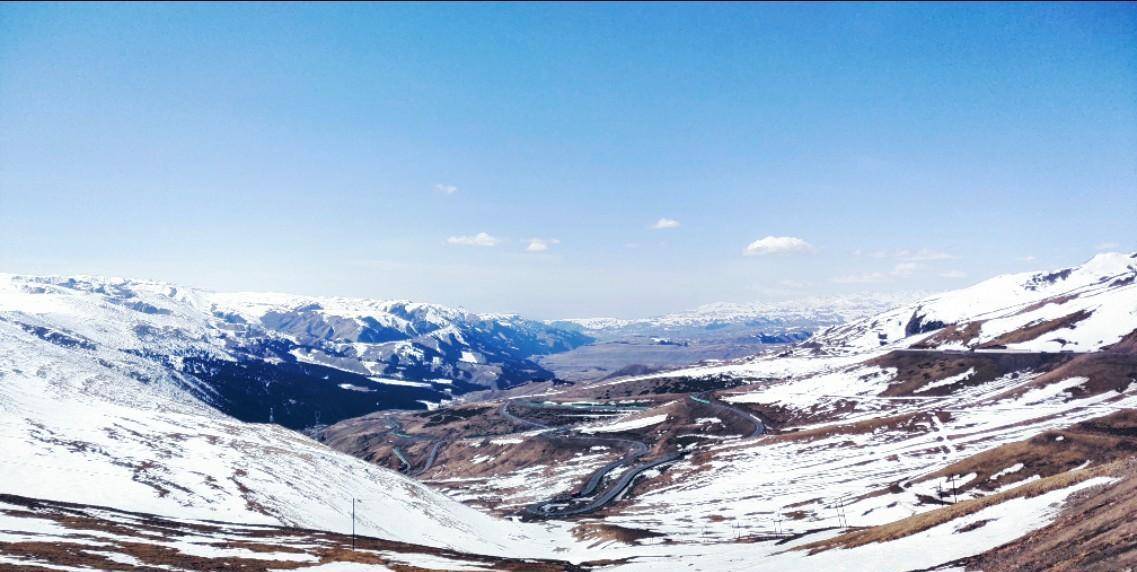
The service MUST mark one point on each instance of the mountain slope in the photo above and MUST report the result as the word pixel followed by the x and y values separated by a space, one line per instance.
pixel 106 426
pixel 909 452
pixel 297 361
pixel 1082 308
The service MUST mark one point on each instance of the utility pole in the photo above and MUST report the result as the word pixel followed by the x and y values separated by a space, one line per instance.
pixel 954 498
pixel 353 501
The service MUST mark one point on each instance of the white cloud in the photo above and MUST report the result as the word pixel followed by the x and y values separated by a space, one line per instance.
pixel 953 274
pixel 445 189
pixel 777 245
pixel 480 239
pixel 540 244
pixel 1108 246
pixel 665 223
pixel 1029 258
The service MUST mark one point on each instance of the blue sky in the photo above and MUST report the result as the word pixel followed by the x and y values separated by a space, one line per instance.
pixel 362 149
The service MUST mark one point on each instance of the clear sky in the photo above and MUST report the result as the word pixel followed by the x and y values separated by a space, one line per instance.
pixel 416 151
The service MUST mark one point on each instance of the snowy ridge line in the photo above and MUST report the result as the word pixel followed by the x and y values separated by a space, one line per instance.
pixel 1084 308
pixel 833 309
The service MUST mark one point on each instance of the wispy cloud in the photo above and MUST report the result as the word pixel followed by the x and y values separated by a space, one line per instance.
pixel 480 239
pixel 445 189
pixel 953 274
pixel 665 223
pixel 1108 246
pixel 777 245
pixel 540 244
pixel 1029 258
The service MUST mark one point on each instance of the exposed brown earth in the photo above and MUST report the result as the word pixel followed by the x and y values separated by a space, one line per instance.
pixel 906 422
pixel 1090 443
pixel 917 369
pixel 1096 532
pixel 652 387
pixel 1033 331
pixel 1041 303
pixel 375 437
pixel 149 539
pixel 599 532
pixel 1108 445
pixel 1105 372
pixel 926 520
pixel 1127 344
pixel 953 334
pixel 776 416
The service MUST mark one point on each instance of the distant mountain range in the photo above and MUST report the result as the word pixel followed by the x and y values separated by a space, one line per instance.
pixel 294 360
pixel 726 318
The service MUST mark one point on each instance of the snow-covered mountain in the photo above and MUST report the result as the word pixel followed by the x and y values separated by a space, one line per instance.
pixel 1081 308
pixel 889 444
pixel 90 415
pixel 298 361
pixel 804 313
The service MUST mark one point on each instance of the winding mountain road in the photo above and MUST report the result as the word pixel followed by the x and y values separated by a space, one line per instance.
pixel 558 508
pixel 396 428
pixel 571 506
pixel 590 496
pixel 583 500
pixel 759 426
pixel 505 412
pixel 431 456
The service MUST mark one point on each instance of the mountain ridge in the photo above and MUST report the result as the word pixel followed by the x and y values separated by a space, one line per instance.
pixel 296 360
pixel 812 310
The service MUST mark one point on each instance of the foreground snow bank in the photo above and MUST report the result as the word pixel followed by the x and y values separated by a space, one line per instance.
pixel 628 425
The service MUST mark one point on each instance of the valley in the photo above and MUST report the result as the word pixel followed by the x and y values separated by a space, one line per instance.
pixel 947 432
